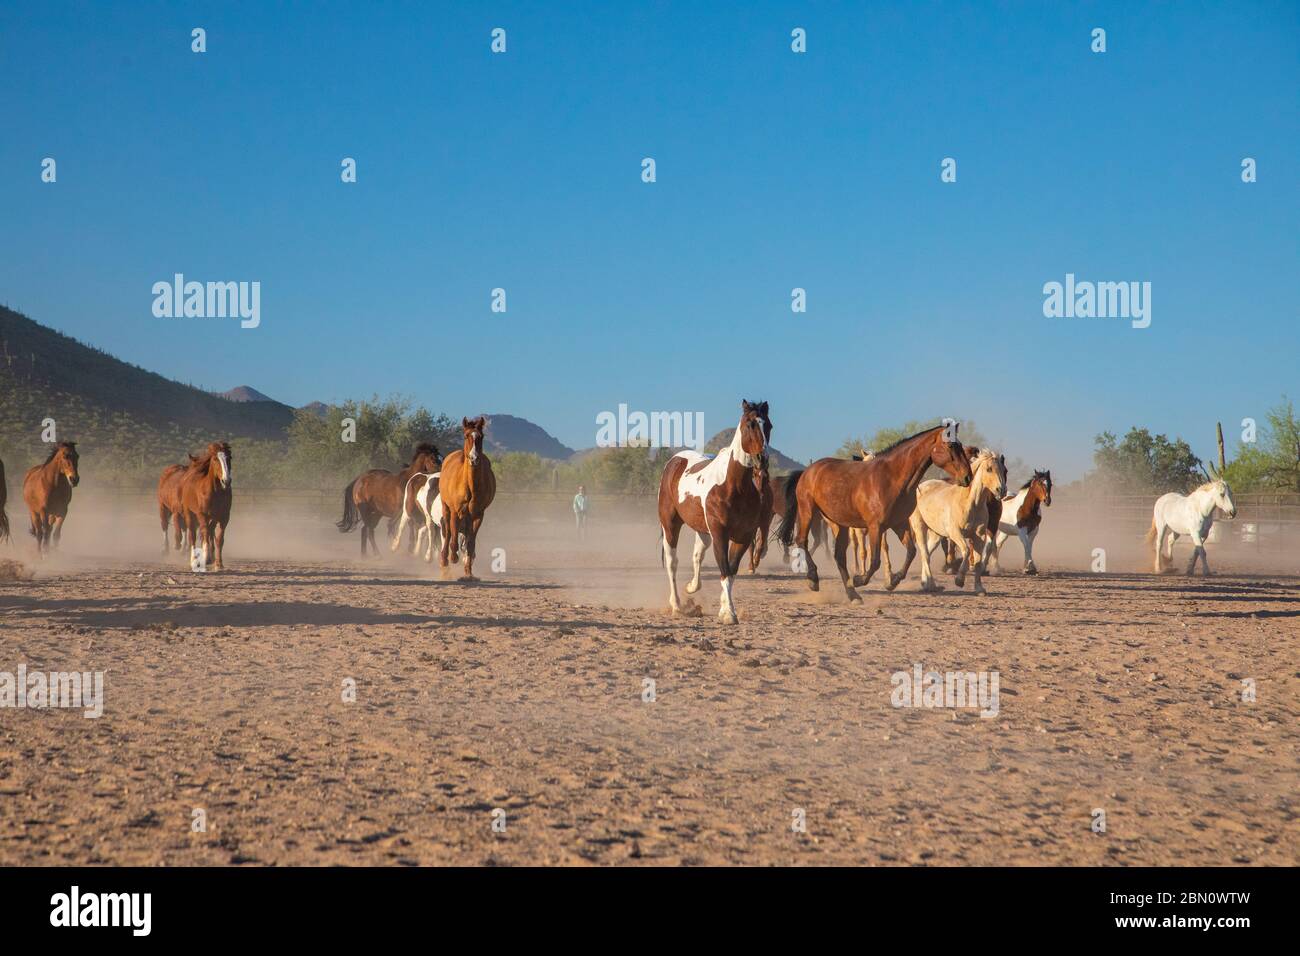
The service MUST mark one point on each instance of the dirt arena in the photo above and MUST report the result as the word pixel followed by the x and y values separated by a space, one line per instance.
pixel 526 693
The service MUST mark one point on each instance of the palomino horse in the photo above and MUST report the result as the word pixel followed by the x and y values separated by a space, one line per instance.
pixel 4 496
pixel 878 494
pixel 47 490
pixel 945 510
pixel 1192 515
pixel 951 556
pixel 205 504
pixel 1020 515
pixel 721 499
pixel 378 494
pixel 466 487
pixel 170 511
pixel 422 505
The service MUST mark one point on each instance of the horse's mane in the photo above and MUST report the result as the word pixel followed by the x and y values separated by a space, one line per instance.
pixel 55 450
pixel 903 441
pixel 425 448
pixel 1045 475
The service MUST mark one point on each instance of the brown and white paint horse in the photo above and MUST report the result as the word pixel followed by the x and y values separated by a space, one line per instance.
pixel 379 494
pixel 1020 515
pixel 878 494
pixel 466 487
pixel 47 490
pixel 721 500
pixel 205 498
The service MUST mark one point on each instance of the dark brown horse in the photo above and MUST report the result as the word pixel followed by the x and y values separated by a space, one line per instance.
pixel 205 502
pixel 379 494
pixel 721 500
pixel 4 497
pixel 466 487
pixel 878 494
pixel 170 511
pixel 47 490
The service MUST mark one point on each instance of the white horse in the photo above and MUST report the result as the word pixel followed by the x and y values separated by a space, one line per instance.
pixel 1191 515
pixel 424 495
pixel 1022 517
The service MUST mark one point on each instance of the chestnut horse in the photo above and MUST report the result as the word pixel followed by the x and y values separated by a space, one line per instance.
pixel 47 489
pixel 721 499
pixel 4 495
pixel 170 511
pixel 205 503
pixel 877 494
pixel 466 486
pixel 379 494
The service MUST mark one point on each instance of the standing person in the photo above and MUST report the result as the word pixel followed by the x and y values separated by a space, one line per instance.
pixel 580 511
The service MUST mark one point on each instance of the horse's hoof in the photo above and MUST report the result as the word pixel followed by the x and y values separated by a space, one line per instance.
pixel 814 586
pixel 692 587
pixel 468 577
pixel 859 581
pixel 1031 570
pixel 959 582
pixel 854 596
pixel 980 592
pixel 727 617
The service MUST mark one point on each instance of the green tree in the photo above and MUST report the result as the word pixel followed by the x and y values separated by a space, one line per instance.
pixel 1141 462
pixel 1272 462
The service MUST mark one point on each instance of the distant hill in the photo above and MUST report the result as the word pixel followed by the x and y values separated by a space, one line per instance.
pixel 512 433
pixel 777 461
pixel 319 409
pixel 244 393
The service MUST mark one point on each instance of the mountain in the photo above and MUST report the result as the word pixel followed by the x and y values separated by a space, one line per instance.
pixel 244 393
pixel 44 373
pixel 511 433
pixel 778 462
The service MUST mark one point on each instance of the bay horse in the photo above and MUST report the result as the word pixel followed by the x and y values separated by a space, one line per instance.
pixel 205 498
pixel 466 487
pixel 170 510
pixel 1019 514
pixel 4 496
pixel 774 507
pixel 877 494
pixel 47 490
pixel 1192 515
pixel 378 493
pixel 958 513
pixel 721 500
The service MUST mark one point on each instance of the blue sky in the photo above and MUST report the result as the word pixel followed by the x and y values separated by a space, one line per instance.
pixel 775 170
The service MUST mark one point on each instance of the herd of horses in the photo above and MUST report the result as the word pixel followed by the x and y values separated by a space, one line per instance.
pixel 729 500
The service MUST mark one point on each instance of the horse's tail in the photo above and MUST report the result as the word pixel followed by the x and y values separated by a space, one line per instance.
pixel 351 516
pixel 1151 535
pixel 785 533
pixel 4 523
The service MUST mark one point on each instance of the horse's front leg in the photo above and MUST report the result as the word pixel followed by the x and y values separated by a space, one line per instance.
pixel 721 554
pixel 1198 549
pixel 445 554
pixel 218 542
pixel 842 562
pixel 56 525
pixel 975 553
pixel 697 560
pixel 1027 540
pixel 909 555
pixel 471 542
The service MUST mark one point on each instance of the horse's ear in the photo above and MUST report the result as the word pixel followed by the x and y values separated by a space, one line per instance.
pixel 464 423
pixel 762 407
pixel 744 405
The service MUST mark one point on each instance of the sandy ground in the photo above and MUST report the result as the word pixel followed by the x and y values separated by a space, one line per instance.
pixel 526 693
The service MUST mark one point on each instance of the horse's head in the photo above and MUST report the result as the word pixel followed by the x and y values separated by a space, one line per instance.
pixel 426 458
pixel 1220 493
pixel 66 458
pixel 755 430
pixel 991 473
pixel 473 429
pixel 219 455
pixel 949 455
pixel 1041 486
